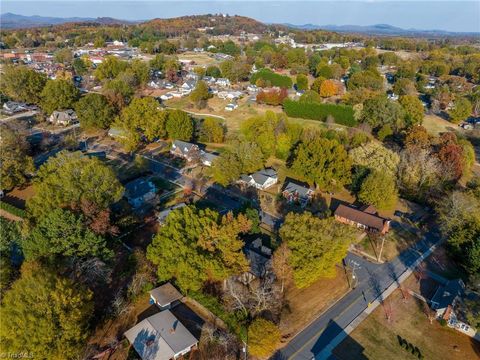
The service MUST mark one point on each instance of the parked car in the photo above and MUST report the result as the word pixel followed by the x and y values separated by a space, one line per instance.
pixel 166 96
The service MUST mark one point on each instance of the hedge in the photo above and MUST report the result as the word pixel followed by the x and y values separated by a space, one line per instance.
pixel 342 114
pixel 274 79
pixel 12 209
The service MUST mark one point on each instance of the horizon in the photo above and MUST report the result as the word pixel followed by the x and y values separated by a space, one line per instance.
pixel 419 15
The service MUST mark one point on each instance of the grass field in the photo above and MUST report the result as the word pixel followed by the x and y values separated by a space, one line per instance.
pixel 436 125
pixel 376 337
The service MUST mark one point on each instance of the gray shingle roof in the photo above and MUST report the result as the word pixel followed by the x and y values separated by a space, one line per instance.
pixel 261 176
pixel 445 295
pixel 138 188
pixel 165 294
pixel 160 337
pixel 293 187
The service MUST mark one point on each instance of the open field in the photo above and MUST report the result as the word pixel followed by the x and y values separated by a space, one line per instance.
pixel 303 305
pixel 376 337
pixel 436 125
pixel 200 59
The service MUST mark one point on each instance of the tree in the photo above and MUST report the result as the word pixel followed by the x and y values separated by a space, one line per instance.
pixel 462 109
pixel 140 70
pixel 200 94
pixel 213 71
pixel 452 161
pixel 9 244
pixel 179 125
pixel 380 111
pixel 196 245
pixel 323 162
pixel 60 232
pixel 280 265
pixel 328 88
pixel 417 136
pixel 384 132
pixel 263 337
pixel 67 179
pixel 212 130
pixel 118 92
pixel 365 79
pixel 79 66
pixel 94 111
pixel 16 164
pixel 379 189
pixel 310 96
pixel 58 95
pixel 63 56
pixel 317 83
pixel 110 68
pixel 404 87
pixel 158 62
pixel 375 157
pixel 316 246
pixel 22 84
pixel 414 110
pixel 302 82
pixel 45 315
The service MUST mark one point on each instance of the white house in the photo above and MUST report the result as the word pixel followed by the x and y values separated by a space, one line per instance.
pixel 64 118
pixel 161 337
pixel 165 296
pixel 261 179
pixel 223 82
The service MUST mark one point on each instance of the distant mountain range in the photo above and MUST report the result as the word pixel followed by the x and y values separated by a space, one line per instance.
pixel 14 21
pixel 379 29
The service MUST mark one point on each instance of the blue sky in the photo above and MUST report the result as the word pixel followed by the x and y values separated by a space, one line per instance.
pixel 427 14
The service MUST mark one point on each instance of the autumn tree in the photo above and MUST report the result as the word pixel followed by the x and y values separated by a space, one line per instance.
pixel 322 162
pixel 414 111
pixel 45 315
pixel 375 157
pixel 58 95
pixel 67 179
pixel 212 130
pixel 118 92
pixel 63 233
pixel 417 137
pixel 22 83
pixel 263 337
pixel 404 87
pixel 316 246
pixel 110 68
pixel 380 111
pixel 213 71
pixel 196 245
pixel 94 111
pixel 280 265
pixel 379 189
pixel 328 88
pixel 14 158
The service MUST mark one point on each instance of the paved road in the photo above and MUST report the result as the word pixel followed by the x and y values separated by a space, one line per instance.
pixel 373 279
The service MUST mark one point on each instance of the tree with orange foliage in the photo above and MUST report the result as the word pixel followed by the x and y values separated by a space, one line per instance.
pixel 328 88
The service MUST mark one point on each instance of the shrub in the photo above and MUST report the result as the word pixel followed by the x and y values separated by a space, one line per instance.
pixel 342 114
pixel 269 77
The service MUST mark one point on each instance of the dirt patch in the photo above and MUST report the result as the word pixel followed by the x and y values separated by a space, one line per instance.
pixel 376 337
pixel 304 305
pixel 435 125
pixel 19 196
pixel 440 263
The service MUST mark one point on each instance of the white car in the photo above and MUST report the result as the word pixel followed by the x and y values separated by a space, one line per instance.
pixel 166 96
pixel 231 107
pixel 168 86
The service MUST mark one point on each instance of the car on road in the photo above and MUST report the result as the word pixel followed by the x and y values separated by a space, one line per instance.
pixel 166 96
pixel 231 107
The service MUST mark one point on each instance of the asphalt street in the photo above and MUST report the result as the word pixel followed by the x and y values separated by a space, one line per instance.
pixel 373 279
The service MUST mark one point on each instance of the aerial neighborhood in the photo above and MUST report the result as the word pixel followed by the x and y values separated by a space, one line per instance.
pixel 214 187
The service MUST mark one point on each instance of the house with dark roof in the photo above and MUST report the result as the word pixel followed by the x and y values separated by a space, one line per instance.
pixel 139 192
pixel 165 296
pixel 261 179
pixel 259 258
pixel 365 218
pixel 446 297
pixel 185 150
pixel 161 337
pixel 297 192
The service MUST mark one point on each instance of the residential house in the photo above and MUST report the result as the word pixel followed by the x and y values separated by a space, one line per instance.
pixel 161 337
pixel 192 76
pixel 13 107
pixel 64 118
pixel 185 150
pixel 365 218
pixel 446 298
pixel 252 88
pixel 139 192
pixel 117 133
pixel 297 192
pixel 188 85
pixel 207 158
pixel 209 79
pixel 259 258
pixel 224 82
pixel 261 179
pixel 165 296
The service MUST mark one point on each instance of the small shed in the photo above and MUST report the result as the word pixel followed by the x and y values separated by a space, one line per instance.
pixel 165 296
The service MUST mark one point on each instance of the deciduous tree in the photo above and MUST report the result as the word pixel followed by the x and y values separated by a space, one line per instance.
pixel 58 95
pixel 379 189
pixel 263 337
pixel 94 111
pixel 22 84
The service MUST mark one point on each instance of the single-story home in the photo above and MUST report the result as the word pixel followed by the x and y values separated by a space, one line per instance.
pixel 297 192
pixel 64 118
pixel 140 191
pixel 13 107
pixel 185 150
pixel 209 79
pixel 189 85
pixel 165 296
pixel 447 296
pixel 365 218
pixel 261 179
pixel 207 158
pixel 161 337
pixel 223 82
pixel 259 258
